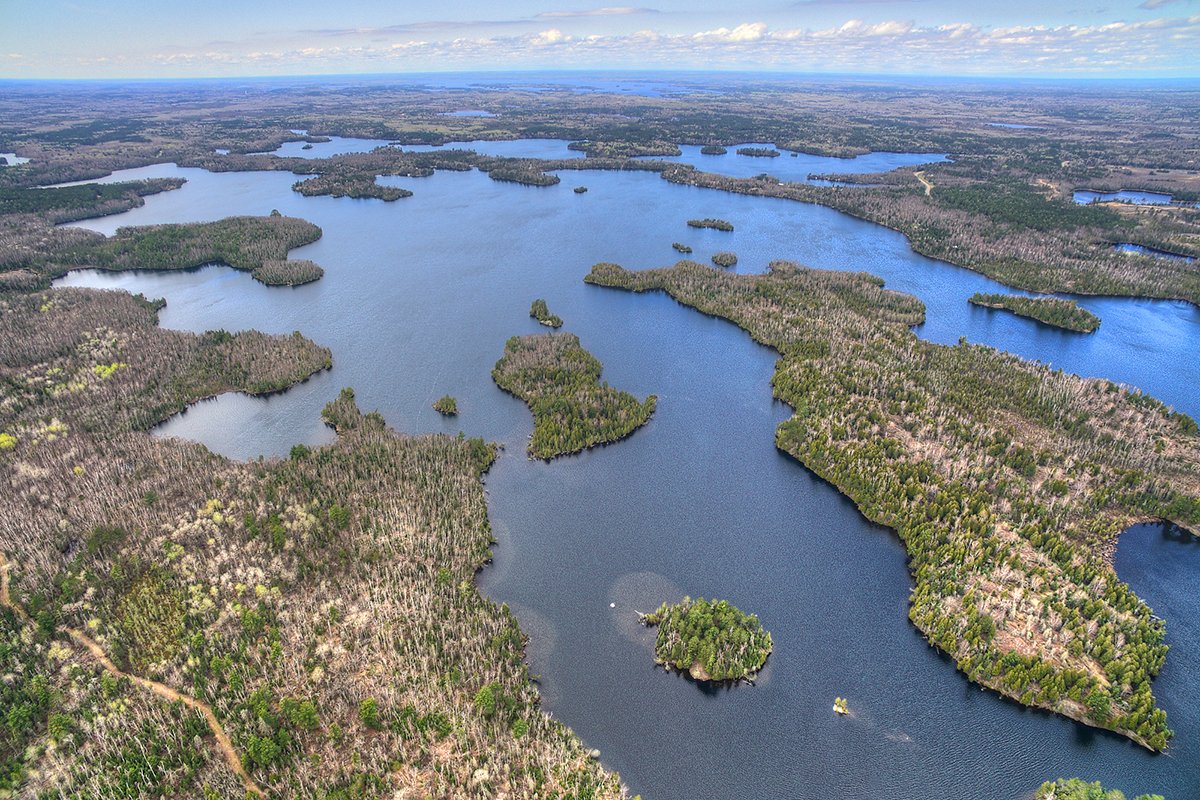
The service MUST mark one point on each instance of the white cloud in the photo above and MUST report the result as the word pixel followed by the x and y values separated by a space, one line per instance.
pixel 746 32
pixel 548 37
pixel 1156 46
pixel 608 11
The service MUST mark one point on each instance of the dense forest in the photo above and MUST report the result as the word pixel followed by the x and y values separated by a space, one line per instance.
pixel 1048 310
pixel 1008 482
pixel 710 640
pixel 759 152
pixel 560 381
pixel 1075 789
pixel 72 203
pixel 258 245
pixel 709 222
pixel 541 312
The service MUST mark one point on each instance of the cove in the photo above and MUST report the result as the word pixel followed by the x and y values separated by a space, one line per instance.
pixel 417 301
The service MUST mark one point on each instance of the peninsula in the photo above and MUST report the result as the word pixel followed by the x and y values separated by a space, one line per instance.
pixel 1053 311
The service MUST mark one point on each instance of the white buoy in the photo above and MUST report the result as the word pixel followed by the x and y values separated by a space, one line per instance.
pixel 612 605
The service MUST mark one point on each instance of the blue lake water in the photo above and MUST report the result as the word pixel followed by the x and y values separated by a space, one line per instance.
pixel 511 148
pixel 796 168
pixel 417 300
pixel 1084 196
pixel 1126 247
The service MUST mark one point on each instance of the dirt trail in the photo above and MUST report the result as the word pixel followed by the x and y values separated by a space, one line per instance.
pixel 928 184
pixel 162 690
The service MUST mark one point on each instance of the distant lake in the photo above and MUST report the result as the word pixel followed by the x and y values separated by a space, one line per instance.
pixel 795 167
pixel 1126 247
pixel 468 112
pixel 417 301
pixel 13 159
pixel 1083 197
pixel 511 148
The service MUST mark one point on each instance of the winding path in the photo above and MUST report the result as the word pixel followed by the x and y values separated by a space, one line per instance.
pixel 160 689
pixel 928 184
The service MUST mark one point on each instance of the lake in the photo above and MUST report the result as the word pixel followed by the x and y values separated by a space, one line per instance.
pixel 417 301
pixel 1126 247
pixel 794 167
pixel 1137 198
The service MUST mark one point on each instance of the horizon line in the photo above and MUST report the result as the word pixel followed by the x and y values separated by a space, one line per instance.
pixel 1020 77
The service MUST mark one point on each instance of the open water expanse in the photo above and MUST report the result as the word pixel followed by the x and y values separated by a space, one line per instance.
pixel 417 301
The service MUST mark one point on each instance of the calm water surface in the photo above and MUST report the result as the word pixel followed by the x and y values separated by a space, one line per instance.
pixel 795 167
pixel 514 148
pixel 417 300
pixel 1083 197
pixel 1126 247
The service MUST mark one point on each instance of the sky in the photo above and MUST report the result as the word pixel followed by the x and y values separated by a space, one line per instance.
pixel 188 38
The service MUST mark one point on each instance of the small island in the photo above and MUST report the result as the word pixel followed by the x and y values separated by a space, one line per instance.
pixel 711 641
pixel 580 189
pixel 724 258
pixel 287 273
pixel 560 381
pixel 759 152
pixel 1047 310
pixel 541 312
pixel 713 150
pixel 446 405
pixel 711 222
pixel 680 247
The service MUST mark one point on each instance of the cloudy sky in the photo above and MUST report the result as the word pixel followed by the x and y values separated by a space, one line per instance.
pixel 186 38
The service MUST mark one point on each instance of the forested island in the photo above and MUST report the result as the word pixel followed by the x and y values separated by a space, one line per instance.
pixel 541 312
pixel 258 245
pixel 72 203
pixel 758 152
pixel 1075 789
pixel 446 405
pixel 710 222
pixel 287 273
pixel 709 640
pixel 1008 482
pixel 1048 310
pixel 560 381
pixel 358 186
pixel 724 258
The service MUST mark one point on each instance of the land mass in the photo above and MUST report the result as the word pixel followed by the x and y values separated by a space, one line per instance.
pixel 560 381
pixel 1008 482
pixel 258 245
pixel 711 641
pixel 1048 310
pixel 316 606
